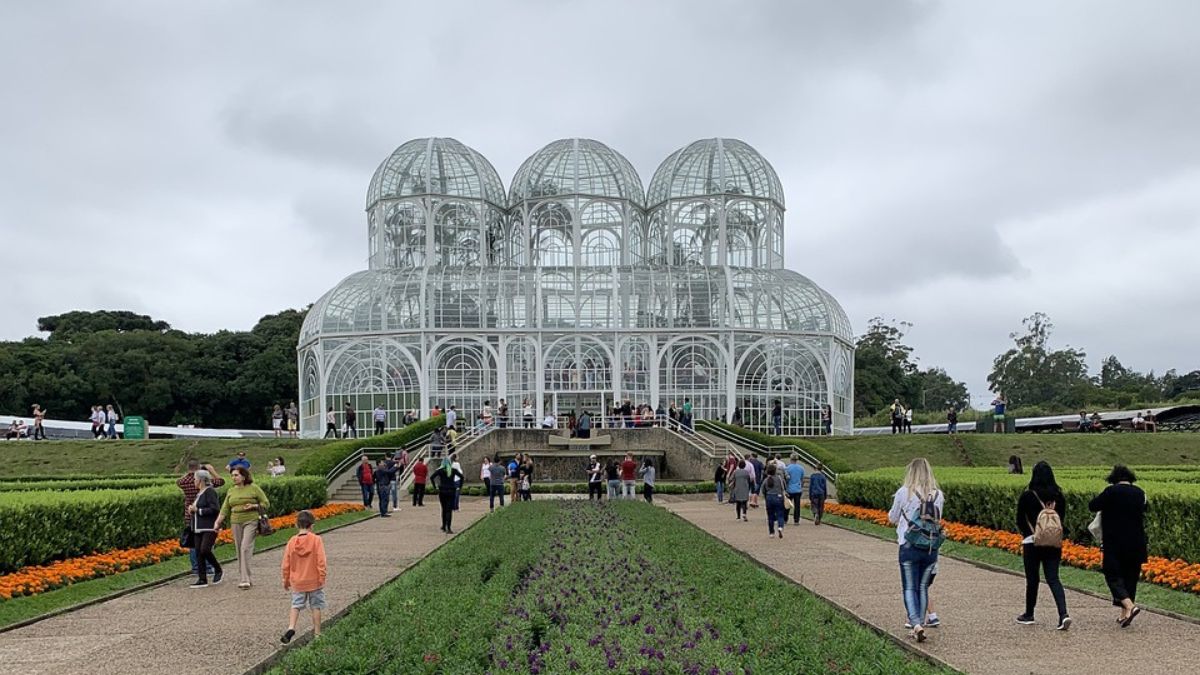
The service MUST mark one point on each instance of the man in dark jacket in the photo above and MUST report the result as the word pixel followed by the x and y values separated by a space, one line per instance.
pixel 385 475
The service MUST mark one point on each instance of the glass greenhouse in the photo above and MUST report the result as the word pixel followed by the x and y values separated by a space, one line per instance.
pixel 576 290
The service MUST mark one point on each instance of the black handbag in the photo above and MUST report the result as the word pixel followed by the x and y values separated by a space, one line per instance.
pixel 187 538
pixel 264 523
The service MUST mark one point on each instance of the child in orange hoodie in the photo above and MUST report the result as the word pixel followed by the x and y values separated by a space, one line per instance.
pixel 304 574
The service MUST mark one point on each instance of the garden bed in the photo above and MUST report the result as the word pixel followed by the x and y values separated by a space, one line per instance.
pixel 558 587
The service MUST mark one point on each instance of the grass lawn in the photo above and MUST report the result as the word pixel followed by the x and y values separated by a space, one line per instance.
pixel 23 608
pixel 588 588
pixel 861 453
pixel 169 456
pixel 1149 595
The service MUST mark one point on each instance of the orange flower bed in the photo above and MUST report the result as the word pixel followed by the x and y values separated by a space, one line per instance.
pixel 1177 574
pixel 41 578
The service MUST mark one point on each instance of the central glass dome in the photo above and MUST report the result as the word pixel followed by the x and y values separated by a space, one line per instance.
pixel 576 290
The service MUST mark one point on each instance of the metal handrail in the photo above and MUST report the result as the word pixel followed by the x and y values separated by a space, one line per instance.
pixel 356 456
pixel 768 450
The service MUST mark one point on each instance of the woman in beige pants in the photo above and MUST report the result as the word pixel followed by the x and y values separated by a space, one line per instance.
pixel 241 507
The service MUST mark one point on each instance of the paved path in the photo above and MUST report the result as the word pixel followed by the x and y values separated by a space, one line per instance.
pixel 977 606
pixel 221 629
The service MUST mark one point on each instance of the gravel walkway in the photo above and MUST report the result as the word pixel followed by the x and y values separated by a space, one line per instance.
pixel 221 629
pixel 977 606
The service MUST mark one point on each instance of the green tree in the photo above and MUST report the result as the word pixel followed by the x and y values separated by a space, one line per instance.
pixel 1032 374
pixel 883 369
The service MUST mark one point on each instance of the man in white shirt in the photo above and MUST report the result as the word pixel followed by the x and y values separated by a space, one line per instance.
pixel 451 417
pixel 549 422
pixel 380 417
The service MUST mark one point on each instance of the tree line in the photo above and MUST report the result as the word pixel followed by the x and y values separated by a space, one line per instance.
pixel 144 367
pixel 1035 377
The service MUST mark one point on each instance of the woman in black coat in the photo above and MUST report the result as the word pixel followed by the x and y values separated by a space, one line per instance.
pixel 1043 492
pixel 444 480
pixel 1122 508
pixel 204 512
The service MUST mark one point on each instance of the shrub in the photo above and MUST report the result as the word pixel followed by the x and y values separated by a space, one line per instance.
pixel 93 484
pixel 703 487
pixel 988 497
pixel 323 460
pixel 40 526
pixel 815 449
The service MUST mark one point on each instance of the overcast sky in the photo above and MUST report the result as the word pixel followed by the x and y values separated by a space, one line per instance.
pixel 958 165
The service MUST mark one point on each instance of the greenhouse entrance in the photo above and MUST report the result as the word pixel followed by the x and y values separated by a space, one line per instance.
pixel 596 403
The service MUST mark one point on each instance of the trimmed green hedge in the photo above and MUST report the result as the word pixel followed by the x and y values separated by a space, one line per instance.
pixel 95 484
pixel 323 460
pixel 988 497
pixel 41 526
pixel 38 478
pixel 816 450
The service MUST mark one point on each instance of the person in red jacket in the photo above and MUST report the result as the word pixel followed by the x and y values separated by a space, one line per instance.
pixel 628 476
pixel 420 476
pixel 303 570
pixel 366 481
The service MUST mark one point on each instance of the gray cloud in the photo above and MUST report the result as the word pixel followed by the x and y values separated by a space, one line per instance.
pixel 942 161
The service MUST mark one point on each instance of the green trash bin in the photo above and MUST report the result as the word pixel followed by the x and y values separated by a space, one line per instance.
pixel 135 428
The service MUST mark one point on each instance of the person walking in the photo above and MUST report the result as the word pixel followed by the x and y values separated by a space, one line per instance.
pixel 795 486
pixel 444 480
pixel 437 443
pixel 385 475
pixel 739 492
pixel 304 571
pixel 628 470
pixel 497 472
pixel 777 418
pixel 1122 508
pixel 204 511
pixel 110 418
pixel 755 466
pixel 452 417
pixel 583 425
pixel 351 422
pixel 917 512
pixel 647 474
pixel 1041 512
pixel 400 461
pixel 773 488
pixel 366 481
pixel 514 478
pixel 330 423
pixel 595 474
pixel 420 476
pixel 719 480
pixel 187 484
pixel 277 420
pixel 242 504
pixel 458 481
pixel 817 489
pixel 380 417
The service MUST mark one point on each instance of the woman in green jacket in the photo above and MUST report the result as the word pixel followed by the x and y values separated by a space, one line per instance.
pixel 241 506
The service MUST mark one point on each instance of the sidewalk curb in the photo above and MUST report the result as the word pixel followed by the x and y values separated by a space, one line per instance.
pixel 302 640
pixel 141 587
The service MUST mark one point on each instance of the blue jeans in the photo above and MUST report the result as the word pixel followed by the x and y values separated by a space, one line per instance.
pixel 720 491
pixel 494 491
pixel 457 495
pixel 777 422
pixel 916 569
pixel 776 515
pixel 384 492
pixel 368 494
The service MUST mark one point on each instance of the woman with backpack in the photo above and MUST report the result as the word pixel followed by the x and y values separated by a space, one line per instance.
pixel 917 514
pixel 1122 508
pixel 1041 511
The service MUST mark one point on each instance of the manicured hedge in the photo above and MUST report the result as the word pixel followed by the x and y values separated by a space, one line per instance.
pixel 322 461
pixel 816 450
pixel 36 478
pixel 989 498
pixel 41 526
pixel 94 484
